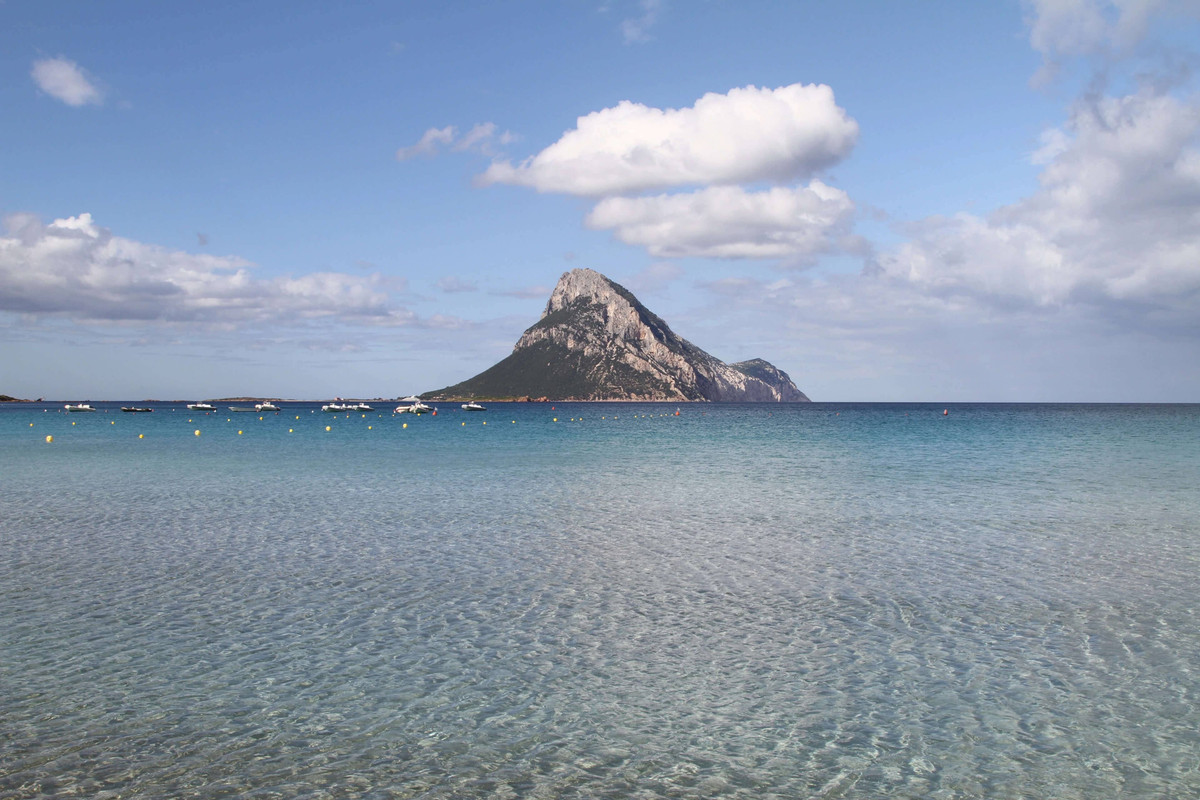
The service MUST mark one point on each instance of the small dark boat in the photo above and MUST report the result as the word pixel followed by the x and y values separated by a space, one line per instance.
pixel 136 409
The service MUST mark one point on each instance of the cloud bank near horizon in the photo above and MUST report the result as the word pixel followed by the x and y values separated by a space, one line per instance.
pixel 73 268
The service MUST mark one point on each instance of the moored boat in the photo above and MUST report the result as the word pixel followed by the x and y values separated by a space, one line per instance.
pixel 266 406
pixel 473 407
pixel 136 409
pixel 78 407
pixel 201 407
pixel 415 406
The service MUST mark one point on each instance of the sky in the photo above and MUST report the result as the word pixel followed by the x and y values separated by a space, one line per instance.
pixel 890 201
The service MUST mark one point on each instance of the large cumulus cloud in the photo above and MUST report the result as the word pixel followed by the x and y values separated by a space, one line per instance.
pixel 1116 219
pixel 749 134
pixel 705 156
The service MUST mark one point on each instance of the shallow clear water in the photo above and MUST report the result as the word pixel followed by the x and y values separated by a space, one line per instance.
pixel 826 600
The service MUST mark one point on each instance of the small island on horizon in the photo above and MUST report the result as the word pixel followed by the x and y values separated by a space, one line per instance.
pixel 596 342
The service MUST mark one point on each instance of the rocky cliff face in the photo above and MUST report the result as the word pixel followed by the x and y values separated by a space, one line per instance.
pixel 595 341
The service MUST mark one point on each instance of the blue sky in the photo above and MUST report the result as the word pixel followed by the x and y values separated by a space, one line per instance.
pixel 890 201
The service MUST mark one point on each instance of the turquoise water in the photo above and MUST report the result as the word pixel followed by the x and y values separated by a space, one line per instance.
pixel 825 600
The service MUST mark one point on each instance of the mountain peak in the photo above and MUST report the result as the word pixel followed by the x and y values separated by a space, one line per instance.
pixel 595 341
pixel 578 283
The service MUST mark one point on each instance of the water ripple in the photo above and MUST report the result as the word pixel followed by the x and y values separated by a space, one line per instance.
pixel 822 608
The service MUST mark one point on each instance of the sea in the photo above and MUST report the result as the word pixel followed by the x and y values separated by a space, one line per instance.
pixel 610 600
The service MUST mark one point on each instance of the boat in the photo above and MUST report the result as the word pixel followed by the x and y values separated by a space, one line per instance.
pixel 267 406
pixel 337 407
pixel 136 409
pixel 78 407
pixel 473 407
pixel 415 406
pixel 361 407
pixel 202 407
pixel 244 409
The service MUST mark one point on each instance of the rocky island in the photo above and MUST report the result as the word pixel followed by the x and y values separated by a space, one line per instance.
pixel 595 341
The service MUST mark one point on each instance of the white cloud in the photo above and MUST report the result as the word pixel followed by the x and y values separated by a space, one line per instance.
pixel 481 138
pixel 729 222
pixel 749 134
pixel 64 80
pixel 1068 27
pixel 428 143
pixel 75 269
pixel 1112 29
pixel 1115 223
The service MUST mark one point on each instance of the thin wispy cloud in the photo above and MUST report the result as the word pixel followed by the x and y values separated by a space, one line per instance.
pixel 453 285
pixel 636 29
pixel 428 144
pixel 655 278
pixel 65 80
pixel 482 139
pixel 526 292
pixel 1106 29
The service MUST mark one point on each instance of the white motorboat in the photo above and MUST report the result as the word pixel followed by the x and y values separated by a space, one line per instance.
pixel 267 406
pixel 137 409
pixel 415 406
pixel 473 407
pixel 78 407
pixel 202 407
pixel 361 407
pixel 336 408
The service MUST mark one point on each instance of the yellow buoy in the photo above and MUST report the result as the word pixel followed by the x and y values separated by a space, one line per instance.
pixel 464 424
pixel 72 423
pixel 197 432
pixel 49 439
pixel 239 433
pixel 368 427
pixel 289 429
pixel 405 425
pixel 327 428
pixel 141 436
pixel 31 424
